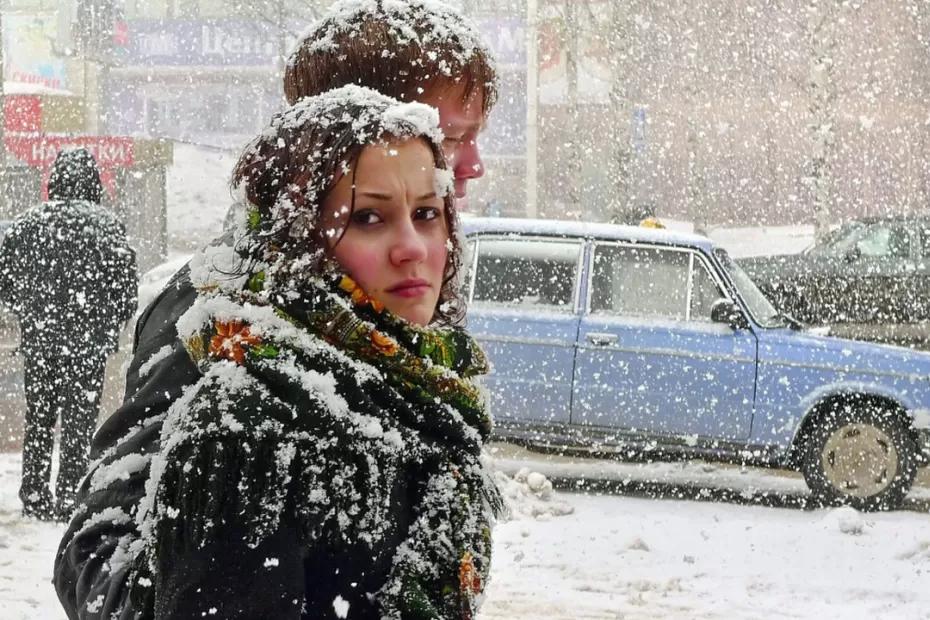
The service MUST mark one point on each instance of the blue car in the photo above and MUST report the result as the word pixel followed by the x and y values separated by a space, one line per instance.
pixel 636 340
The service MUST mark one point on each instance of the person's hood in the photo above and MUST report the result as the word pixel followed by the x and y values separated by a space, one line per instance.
pixel 75 177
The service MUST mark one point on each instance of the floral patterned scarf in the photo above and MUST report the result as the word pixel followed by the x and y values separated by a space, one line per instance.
pixel 441 568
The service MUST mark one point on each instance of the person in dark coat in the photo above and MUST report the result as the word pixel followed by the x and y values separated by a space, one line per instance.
pixel 69 275
pixel 326 461
pixel 443 62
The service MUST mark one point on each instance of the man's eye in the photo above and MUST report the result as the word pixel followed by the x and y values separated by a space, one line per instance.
pixel 366 217
pixel 451 141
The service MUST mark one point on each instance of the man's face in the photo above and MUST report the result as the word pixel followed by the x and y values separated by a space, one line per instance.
pixel 461 121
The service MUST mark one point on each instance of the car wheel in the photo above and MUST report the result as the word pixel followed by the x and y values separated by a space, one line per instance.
pixel 861 456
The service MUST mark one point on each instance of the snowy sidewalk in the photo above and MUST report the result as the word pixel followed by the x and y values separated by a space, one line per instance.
pixel 615 557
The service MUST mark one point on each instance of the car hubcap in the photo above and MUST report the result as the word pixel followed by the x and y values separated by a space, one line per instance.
pixel 860 460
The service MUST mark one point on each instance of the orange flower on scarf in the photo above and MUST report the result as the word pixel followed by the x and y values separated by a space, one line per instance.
pixel 359 297
pixel 384 344
pixel 469 579
pixel 229 338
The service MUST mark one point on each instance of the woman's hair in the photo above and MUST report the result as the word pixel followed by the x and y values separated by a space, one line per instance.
pixel 288 171
pixel 407 50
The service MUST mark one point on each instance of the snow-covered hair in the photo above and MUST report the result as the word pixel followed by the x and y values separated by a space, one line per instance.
pixel 287 172
pixel 408 49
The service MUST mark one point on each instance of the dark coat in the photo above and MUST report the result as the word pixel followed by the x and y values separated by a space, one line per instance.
pixel 200 574
pixel 68 273
pixel 84 566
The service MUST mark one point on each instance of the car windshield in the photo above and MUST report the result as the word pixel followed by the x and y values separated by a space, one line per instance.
pixel 758 305
pixel 837 242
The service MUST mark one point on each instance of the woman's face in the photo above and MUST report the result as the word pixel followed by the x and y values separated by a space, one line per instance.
pixel 395 241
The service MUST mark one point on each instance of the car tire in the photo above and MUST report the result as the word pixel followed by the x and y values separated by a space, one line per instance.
pixel 860 455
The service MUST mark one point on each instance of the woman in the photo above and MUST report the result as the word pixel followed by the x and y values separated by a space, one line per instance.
pixel 326 464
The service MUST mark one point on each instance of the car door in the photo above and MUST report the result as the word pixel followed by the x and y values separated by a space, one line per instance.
pixel 649 358
pixel 880 267
pixel 920 310
pixel 874 268
pixel 523 309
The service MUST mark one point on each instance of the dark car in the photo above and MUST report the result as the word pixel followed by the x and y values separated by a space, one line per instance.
pixel 868 279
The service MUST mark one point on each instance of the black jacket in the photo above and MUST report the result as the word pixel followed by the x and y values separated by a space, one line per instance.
pixel 68 273
pixel 85 570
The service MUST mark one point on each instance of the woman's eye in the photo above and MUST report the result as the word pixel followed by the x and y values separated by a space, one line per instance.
pixel 366 217
pixel 453 141
pixel 427 213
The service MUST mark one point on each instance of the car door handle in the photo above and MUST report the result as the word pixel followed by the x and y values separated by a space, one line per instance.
pixel 601 340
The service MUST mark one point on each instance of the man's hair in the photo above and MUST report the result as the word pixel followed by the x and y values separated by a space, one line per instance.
pixel 407 50
pixel 287 172
pixel 75 177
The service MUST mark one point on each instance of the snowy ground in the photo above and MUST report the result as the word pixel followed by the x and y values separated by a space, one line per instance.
pixel 572 556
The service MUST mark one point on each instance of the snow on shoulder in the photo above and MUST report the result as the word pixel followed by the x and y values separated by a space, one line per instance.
pixel 440 27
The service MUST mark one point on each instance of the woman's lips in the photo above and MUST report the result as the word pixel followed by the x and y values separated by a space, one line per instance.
pixel 410 289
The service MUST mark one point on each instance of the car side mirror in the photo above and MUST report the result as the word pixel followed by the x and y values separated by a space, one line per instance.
pixel 726 311
pixel 853 254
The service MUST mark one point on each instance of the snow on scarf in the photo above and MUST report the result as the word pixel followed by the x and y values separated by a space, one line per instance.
pixel 320 401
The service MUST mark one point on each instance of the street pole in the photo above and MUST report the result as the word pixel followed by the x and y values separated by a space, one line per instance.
pixel 532 104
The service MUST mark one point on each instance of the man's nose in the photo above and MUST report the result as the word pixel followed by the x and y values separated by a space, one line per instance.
pixel 468 164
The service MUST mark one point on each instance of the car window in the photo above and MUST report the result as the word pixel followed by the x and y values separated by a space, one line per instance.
pixel 756 302
pixel 704 292
pixel 536 273
pixel 838 240
pixel 876 240
pixel 883 240
pixel 650 282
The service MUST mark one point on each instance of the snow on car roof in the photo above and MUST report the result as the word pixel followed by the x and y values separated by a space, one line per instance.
pixel 570 228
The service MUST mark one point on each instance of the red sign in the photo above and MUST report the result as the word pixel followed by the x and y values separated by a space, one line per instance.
pixel 120 33
pixel 22 113
pixel 40 151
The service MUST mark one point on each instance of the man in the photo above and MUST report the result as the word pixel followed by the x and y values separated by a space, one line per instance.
pixel 69 275
pixel 417 50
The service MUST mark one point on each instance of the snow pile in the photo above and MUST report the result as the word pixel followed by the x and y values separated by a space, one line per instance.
pixel 920 553
pixel 528 495
pixel 846 520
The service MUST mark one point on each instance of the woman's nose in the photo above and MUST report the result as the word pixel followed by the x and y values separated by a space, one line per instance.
pixel 408 245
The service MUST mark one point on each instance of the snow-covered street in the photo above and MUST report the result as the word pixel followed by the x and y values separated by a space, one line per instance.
pixel 624 557
pixel 620 557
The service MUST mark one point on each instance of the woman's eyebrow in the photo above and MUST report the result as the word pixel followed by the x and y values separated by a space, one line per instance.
pixel 386 197
pixel 376 195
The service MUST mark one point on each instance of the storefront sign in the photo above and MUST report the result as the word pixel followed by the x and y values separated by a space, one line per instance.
pixel 215 42
pixel 40 151
pixel 27 51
